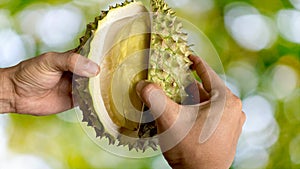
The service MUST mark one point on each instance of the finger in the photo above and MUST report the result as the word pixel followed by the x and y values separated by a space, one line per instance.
pixel 73 62
pixel 204 96
pixel 163 109
pixel 83 66
pixel 197 94
pixel 208 76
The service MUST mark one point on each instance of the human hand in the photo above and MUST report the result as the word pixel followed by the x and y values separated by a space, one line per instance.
pixel 203 135
pixel 43 85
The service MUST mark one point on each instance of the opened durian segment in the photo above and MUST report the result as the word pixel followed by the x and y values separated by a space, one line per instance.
pixel 119 45
pixel 116 41
pixel 169 63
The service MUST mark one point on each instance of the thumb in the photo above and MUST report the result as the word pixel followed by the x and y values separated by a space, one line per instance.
pixel 73 62
pixel 163 109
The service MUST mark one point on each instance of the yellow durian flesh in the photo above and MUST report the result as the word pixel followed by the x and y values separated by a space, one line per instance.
pixel 122 60
pixel 127 62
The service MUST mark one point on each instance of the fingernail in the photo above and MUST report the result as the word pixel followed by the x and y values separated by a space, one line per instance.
pixel 153 97
pixel 91 68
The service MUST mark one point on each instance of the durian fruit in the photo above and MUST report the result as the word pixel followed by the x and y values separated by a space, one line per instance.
pixel 169 63
pixel 131 44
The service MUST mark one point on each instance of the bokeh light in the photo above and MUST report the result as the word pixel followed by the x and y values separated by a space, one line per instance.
pixel 284 81
pixel 248 27
pixel 245 76
pixel 55 27
pixel 260 132
pixel 12 49
pixel 251 157
pixel 29 19
pixel 288 22
pixel 3 143
pixel 295 150
pixel 296 3
pixel 5 19
pixel 11 160
pixel 23 162
pixel 59 26
pixel 233 86
pixel 260 115
pixel 291 107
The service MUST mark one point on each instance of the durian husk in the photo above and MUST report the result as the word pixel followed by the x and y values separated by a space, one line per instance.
pixel 108 122
pixel 168 66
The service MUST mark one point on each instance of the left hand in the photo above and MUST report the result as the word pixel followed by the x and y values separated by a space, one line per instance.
pixel 43 85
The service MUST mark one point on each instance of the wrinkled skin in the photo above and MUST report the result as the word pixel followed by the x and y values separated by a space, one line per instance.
pixel 42 85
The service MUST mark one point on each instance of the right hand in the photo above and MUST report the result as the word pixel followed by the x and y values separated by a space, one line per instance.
pixel 206 134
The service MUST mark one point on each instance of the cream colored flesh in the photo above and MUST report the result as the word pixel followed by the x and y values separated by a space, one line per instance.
pixel 116 46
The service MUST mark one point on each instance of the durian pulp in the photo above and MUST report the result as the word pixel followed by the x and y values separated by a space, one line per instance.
pixel 119 46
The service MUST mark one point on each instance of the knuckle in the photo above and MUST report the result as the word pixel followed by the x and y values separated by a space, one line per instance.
pixel 149 88
pixel 43 57
pixel 72 58
pixel 47 55
pixel 70 61
pixel 45 61
pixel 46 58
pixel 243 118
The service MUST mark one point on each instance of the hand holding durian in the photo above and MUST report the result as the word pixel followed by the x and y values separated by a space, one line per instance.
pixel 42 86
pixel 216 122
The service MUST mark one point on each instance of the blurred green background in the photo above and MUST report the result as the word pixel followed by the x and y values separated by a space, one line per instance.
pixel 258 42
